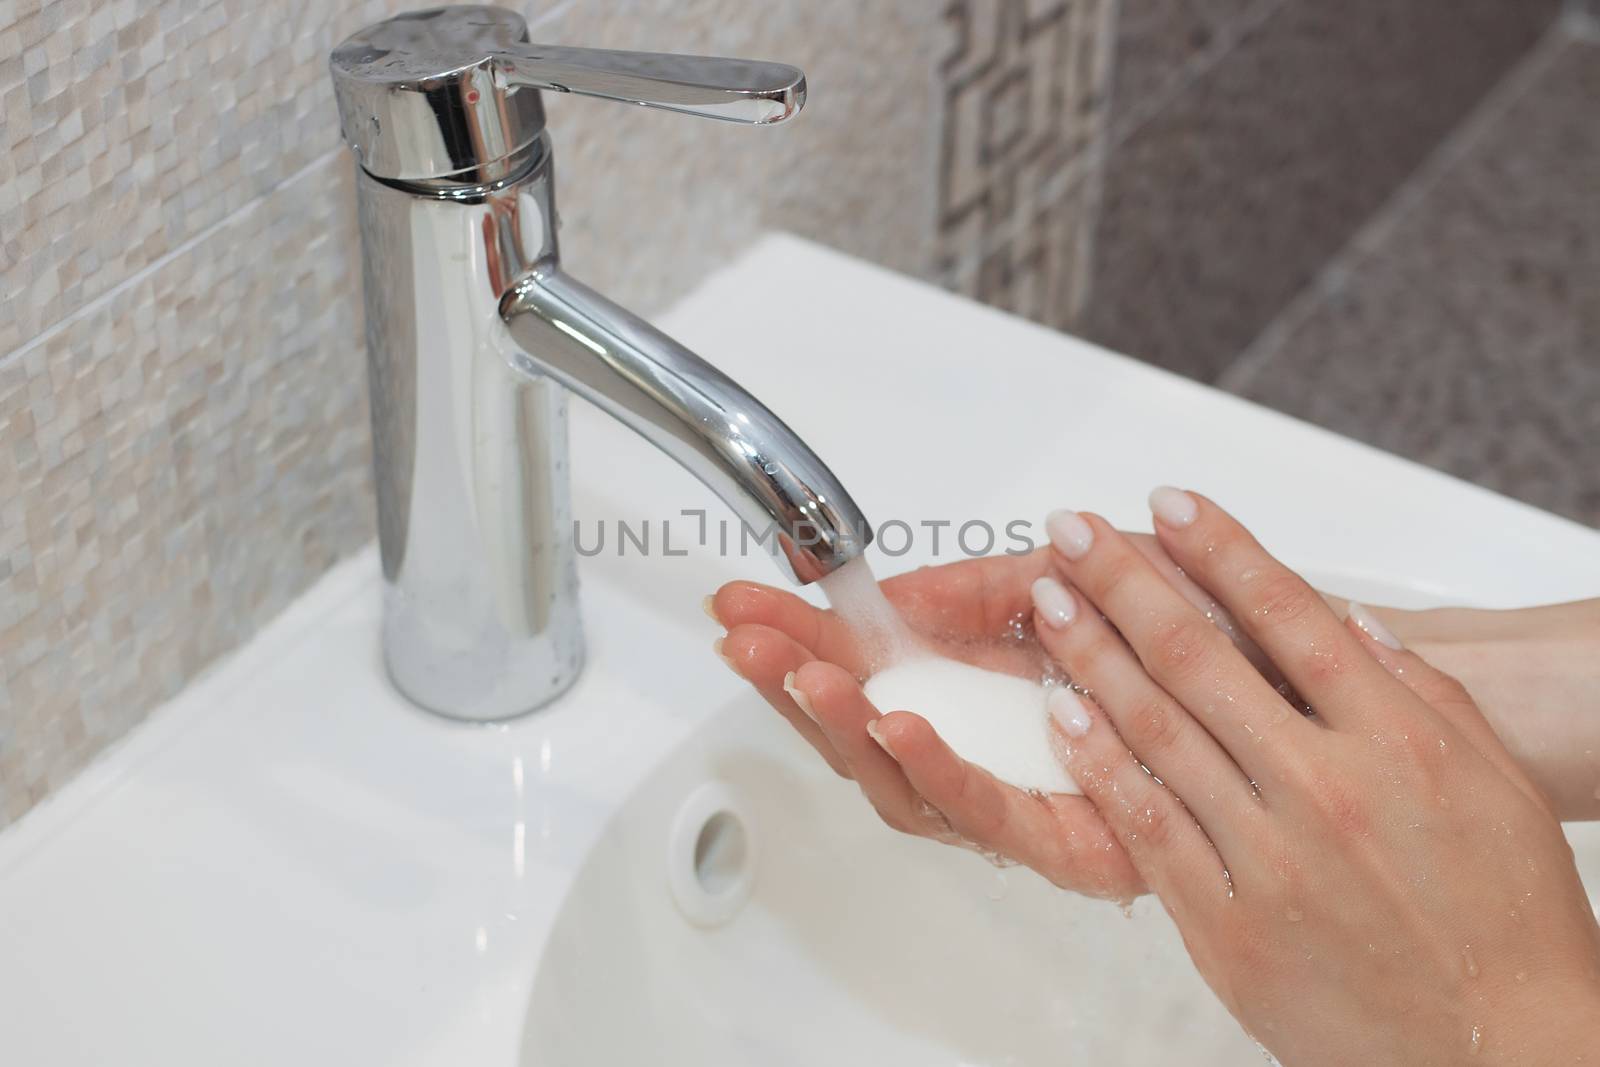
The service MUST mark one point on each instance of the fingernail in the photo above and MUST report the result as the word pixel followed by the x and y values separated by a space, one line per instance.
pixel 799 696
pixel 716 646
pixel 1173 507
pixel 877 735
pixel 1053 601
pixel 1067 709
pixel 1372 626
pixel 708 605
pixel 1070 535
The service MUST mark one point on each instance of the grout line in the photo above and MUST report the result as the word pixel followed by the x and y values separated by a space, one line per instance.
pixel 1081 284
pixel 90 307
pixel 1382 224
pixel 1198 65
pixel 187 245
pixel 534 22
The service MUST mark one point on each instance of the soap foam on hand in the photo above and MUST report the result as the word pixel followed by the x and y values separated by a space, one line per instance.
pixel 997 721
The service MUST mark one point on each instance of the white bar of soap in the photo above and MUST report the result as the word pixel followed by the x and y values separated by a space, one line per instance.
pixel 997 721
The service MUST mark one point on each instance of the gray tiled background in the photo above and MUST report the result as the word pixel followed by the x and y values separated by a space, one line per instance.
pixel 183 444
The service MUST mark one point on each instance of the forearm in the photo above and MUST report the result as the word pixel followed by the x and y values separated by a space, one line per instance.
pixel 1535 672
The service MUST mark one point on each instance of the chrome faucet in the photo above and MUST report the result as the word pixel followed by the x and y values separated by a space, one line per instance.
pixel 474 335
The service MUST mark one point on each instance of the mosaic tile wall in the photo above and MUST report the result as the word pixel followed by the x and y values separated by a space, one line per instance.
pixel 183 440
pixel 183 436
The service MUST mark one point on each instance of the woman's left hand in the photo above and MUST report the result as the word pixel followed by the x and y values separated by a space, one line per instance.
pixel 1376 883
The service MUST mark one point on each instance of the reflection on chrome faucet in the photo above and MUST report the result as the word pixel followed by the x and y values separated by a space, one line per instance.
pixel 475 335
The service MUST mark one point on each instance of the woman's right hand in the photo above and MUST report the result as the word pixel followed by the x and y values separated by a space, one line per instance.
pixel 805 662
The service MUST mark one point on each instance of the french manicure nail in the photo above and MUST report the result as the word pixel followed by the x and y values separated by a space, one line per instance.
pixel 1067 709
pixel 1070 535
pixel 1173 507
pixel 877 735
pixel 1053 601
pixel 799 696
pixel 1372 626
pixel 708 605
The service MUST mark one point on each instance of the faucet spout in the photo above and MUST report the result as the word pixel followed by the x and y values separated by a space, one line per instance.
pixel 455 194
pixel 773 481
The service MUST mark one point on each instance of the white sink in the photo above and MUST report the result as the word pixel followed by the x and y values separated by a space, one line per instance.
pixel 857 946
pixel 289 864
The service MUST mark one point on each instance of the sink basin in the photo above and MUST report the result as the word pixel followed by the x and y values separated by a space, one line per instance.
pixel 857 945
pixel 290 864
pixel 853 945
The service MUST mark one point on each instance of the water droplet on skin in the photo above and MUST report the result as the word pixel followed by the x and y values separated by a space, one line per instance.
pixel 1477 1041
pixel 1469 962
pixel 1444 802
pixel 1294 915
pixel 1521 976
pixel 1279 715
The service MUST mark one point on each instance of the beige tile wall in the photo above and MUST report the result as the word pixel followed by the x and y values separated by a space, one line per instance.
pixel 183 438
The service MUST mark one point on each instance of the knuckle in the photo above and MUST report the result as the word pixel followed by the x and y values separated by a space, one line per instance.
pixel 897 822
pixel 1113 573
pixel 1340 806
pixel 1153 726
pixel 1097 647
pixel 1322 664
pixel 1154 823
pixel 1181 649
pixel 1443 689
pixel 1284 597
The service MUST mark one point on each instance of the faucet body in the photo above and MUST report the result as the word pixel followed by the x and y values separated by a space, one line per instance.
pixel 475 336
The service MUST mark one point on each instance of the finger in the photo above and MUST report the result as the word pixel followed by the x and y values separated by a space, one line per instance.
pixel 820 632
pixel 1168 848
pixel 764 657
pixel 1440 691
pixel 1176 645
pixel 1165 738
pixel 965 606
pixel 834 700
pixel 1062 837
pixel 1204 603
pixel 1290 621
pixel 975 598
pixel 965 600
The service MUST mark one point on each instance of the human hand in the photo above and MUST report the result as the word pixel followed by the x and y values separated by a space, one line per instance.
pixel 807 664
pixel 1535 674
pixel 801 657
pixel 1379 883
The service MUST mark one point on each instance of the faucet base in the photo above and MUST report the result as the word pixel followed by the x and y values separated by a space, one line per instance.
pixel 511 685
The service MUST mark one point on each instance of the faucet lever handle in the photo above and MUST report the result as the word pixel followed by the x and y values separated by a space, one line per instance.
pixel 754 92
pixel 451 93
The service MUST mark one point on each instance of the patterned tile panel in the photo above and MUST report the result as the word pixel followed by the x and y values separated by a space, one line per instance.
pixel 1023 88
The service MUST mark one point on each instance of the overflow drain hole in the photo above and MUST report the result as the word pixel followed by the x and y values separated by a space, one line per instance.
pixel 711 855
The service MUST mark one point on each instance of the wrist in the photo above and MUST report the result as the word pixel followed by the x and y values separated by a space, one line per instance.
pixel 1558 1024
pixel 1535 674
